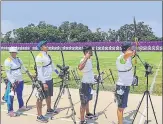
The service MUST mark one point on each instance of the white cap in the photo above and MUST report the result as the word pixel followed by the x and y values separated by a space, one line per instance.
pixel 13 49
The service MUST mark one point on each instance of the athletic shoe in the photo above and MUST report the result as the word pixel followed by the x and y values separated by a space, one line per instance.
pixel 23 108
pixel 91 116
pixel 83 122
pixel 42 119
pixel 12 114
pixel 51 111
pixel 127 122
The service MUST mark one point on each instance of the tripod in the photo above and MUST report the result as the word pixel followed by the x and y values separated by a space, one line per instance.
pixel 147 92
pixel 62 88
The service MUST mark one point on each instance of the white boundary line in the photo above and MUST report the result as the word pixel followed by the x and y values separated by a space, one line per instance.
pixel 151 90
pixel 62 119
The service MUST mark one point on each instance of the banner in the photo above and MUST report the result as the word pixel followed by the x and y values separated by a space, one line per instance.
pixel 101 46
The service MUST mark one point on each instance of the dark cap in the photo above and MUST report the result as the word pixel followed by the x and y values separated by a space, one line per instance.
pixel 40 44
pixel 125 45
pixel 86 48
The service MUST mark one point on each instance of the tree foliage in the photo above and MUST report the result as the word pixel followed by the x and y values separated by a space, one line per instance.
pixel 77 32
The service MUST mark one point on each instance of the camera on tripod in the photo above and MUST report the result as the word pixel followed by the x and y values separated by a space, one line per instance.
pixel 148 69
pixel 63 71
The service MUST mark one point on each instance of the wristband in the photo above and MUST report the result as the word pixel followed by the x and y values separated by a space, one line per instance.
pixel 56 71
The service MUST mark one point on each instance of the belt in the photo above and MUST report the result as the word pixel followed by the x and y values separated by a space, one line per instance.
pixel 15 69
pixel 125 70
pixel 48 64
pixel 122 86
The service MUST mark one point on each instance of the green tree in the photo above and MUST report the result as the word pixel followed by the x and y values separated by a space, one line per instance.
pixel 74 32
pixel 144 32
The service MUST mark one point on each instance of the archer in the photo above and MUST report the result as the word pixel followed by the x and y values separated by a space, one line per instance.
pixel 45 68
pixel 14 67
pixel 125 78
pixel 85 90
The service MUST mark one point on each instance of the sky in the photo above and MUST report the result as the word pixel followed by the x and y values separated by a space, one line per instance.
pixel 94 14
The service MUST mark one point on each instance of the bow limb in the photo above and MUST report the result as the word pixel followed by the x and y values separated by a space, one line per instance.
pixel 63 60
pixel 35 67
pixel 98 81
pixel 29 61
pixel 136 43
pixel 33 80
pixel 63 64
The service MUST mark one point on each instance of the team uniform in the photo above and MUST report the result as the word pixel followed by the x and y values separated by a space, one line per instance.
pixel 45 68
pixel 14 68
pixel 125 79
pixel 87 81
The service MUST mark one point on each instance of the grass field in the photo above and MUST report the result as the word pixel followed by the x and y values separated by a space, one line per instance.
pixel 107 61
